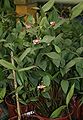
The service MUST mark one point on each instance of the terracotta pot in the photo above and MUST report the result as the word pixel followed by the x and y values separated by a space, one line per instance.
pixel 24 117
pixel 12 109
pixel 37 117
pixel 62 118
pixel 78 109
pixel 75 106
pixel 80 112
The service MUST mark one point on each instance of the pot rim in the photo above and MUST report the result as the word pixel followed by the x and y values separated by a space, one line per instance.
pixel 12 104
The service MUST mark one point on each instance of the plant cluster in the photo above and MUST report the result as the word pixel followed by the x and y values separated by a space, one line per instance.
pixel 47 56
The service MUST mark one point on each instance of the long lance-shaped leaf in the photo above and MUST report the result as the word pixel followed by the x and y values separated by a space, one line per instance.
pixel 58 111
pixel 77 10
pixel 70 94
pixel 25 53
pixel 60 23
pixel 7 65
pixel 48 5
pixel 26 69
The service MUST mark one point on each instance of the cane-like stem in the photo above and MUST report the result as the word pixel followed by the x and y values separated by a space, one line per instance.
pixel 15 86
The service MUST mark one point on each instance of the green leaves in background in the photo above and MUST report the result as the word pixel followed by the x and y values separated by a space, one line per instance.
pixel 56 58
pixel 44 23
pixel 26 69
pixel 79 50
pixel 2 94
pixel 70 94
pixel 71 64
pixel 1 29
pixel 24 54
pixel 59 23
pixel 46 95
pixel 76 10
pixel 7 65
pixel 53 55
pixel 64 86
pixel 1 74
pixel 31 19
pixel 18 26
pixel 46 80
pixel 79 68
pixel 58 111
pixel 48 5
pixel 7 5
pixel 58 50
pixel 47 39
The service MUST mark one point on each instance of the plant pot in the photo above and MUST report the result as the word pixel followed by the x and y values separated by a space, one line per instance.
pixel 24 117
pixel 38 117
pixel 12 109
pixel 78 109
pixel 62 118
pixel 80 112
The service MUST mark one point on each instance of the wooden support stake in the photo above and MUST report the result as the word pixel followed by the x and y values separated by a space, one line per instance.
pixel 15 86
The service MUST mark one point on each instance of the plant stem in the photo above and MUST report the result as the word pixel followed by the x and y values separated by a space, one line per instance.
pixel 15 86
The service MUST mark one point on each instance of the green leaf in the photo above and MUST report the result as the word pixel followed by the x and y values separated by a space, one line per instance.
pixel 48 5
pixel 19 88
pixel 79 50
pixel 10 46
pixel 1 29
pixel 56 58
pixel 53 55
pixel 70 94
pixel 79 68
pixel 7 65
pixel 58 111
pixel 10 76
pixel 1 74
pixel 76 10
pixel 31 19
pixel 22 34
pixel 56 62
pixel 26 69
pixel 7 5
pixel 47 39
pixel 44 22
pixel 2 40
pixel 2 92
pixel 42 64
pixel 18 26
pixel 20 78
pixel 1 101
pixel 25 53
pixel 46 80
pixel 33 99
pixel 59 23
pixel 69 65
pixel 64 85
pixel 46 95
pixel 58 50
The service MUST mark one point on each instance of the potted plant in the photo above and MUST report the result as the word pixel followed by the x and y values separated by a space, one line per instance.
pixel 50 44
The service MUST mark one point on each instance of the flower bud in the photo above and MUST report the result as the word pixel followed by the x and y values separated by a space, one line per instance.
pixel 53 23
pixel 36 41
